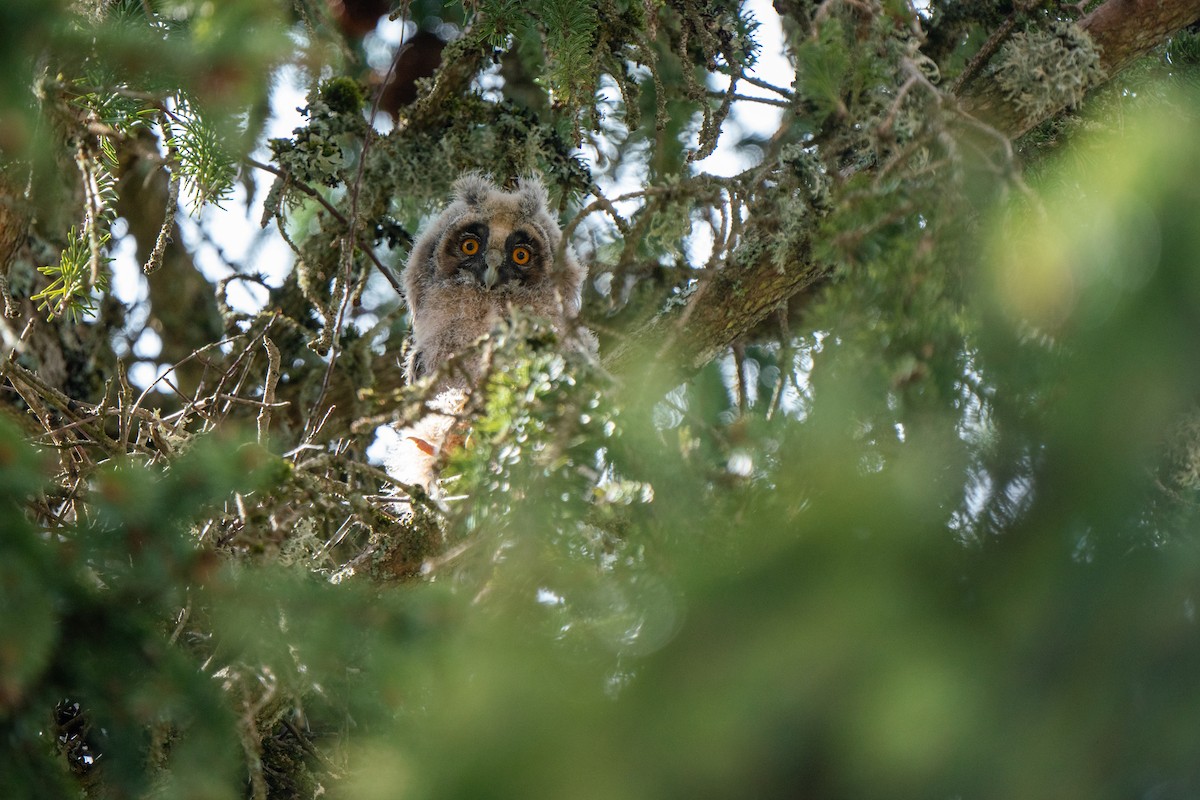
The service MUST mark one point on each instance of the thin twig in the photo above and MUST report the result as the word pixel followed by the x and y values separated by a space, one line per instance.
pixel 337 215
pixel 760 83
pixel 184 613
pixel 161 378
pixel 985 54
pixel 786 366
pixel 269 383
pixel 343 281
pixel 770 101
pixel 164 231
pixel 739 364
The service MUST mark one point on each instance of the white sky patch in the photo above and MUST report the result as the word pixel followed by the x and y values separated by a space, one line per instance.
pixel 128 282
pixel 386 440
pixel 381 43
pixel 548 598
pixel 143 373
pixel 741 464
pixel 748 118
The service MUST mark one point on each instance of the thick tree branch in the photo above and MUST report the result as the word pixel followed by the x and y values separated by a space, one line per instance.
pixel 1126 29
pixel 733 301
pixel 1122 30
pixel 737 299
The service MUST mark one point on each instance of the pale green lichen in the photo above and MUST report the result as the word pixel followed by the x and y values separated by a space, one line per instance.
pixel 1040 71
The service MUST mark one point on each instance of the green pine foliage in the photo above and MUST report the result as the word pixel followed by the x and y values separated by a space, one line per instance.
pixel 72 279
pixel 883 482
pixel 206 166
pixel 571 28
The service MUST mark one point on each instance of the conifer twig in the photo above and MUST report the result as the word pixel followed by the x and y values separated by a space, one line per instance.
pixel 985 53
pixel 342 282
pixel 770 101
pixel 333 212
pixel 269 383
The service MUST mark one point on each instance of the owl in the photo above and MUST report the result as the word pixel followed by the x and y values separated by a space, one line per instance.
pixel 490 251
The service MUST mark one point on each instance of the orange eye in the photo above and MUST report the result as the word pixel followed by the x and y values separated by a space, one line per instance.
pixel 521 255
pixel 470 245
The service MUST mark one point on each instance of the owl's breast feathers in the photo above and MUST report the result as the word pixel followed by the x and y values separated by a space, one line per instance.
pixel 459 313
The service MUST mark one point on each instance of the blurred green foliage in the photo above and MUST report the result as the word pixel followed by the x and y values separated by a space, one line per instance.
pixel 87 620
pixel 830 637
pixel 939 543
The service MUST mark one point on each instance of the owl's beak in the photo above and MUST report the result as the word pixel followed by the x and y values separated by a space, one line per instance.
pixel 492 258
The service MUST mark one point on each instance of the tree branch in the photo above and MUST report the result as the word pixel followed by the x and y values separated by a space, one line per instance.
pixel 734 301
pixel 738 298
pixel 1122 30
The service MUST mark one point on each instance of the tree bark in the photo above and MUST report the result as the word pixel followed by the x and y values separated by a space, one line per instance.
pixel 672 346
pixel 1122 30
pixel 14 229
pixel 1126 29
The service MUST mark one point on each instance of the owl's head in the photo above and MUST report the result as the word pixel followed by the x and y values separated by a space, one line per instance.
pixel 497 239
pixel 490 252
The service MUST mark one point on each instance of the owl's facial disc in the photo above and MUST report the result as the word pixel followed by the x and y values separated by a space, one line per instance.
pixel 496 256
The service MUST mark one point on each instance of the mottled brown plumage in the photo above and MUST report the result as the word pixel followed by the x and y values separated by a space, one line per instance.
pixel 489 253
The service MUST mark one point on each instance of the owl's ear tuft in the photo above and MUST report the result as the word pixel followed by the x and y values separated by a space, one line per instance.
pixel 473 188
pixel 531 195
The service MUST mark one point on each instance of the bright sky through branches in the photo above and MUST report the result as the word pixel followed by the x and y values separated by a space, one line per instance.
pixel 224 237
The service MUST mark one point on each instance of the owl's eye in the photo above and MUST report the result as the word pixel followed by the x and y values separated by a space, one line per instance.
pixel 469 246
pixel 521 255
